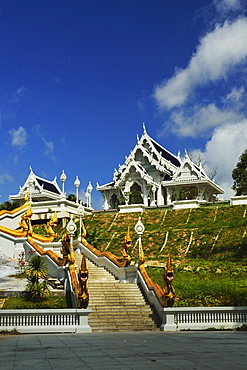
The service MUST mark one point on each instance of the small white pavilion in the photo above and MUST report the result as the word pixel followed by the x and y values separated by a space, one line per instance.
pixel 47 197
pixel 153 176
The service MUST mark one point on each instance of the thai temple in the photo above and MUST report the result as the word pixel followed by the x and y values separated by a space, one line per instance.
pixel 153 176
pixel 46 196
pixel 39 189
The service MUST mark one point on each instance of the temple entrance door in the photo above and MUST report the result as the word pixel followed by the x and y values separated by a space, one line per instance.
pixel 135 194
pixel 114 201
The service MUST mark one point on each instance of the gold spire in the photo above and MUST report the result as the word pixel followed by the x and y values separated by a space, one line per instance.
pixel 141 254
pixel 127 238
pixel 54 218
pixel 29 212
pixel 169 263
pixel 26 198
pixel 83 264
pixel 83 230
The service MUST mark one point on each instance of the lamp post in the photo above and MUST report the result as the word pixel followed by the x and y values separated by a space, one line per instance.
pixel 71 228
pixel 80 211
pixel 87 195
pixel 77 184
pixel 139 229
pixel 30 184
pixel 63 178
pixel 89 191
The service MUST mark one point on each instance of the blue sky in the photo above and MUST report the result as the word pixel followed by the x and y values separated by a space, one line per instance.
pixel 78 78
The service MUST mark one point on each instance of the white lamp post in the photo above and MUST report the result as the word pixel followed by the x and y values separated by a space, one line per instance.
pixel 80 211
pixel 63 178
pixel 89 191
pixel 139 229
pixel 30 184
pixel 71 228
pixel 77 184
pixel 87 195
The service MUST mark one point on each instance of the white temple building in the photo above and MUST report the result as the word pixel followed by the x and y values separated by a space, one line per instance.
pixel 39 189
pixel 153 176
pixel 47 197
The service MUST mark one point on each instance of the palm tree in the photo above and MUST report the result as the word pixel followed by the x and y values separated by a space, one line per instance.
pixel 36 270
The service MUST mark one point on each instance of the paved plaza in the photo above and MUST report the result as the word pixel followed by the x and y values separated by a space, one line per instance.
pixel 125 350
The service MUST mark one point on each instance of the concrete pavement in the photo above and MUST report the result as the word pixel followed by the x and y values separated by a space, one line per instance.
pixel 125 350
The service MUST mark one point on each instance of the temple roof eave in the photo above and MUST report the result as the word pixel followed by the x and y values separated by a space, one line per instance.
pixel 192 182
pixel 107 186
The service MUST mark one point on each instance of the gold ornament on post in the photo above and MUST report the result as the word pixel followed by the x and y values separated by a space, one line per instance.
pixel 168 279
pixel 83 292
pixel 126 246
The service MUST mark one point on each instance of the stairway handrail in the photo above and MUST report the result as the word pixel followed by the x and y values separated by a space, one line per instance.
pixel 151 286
pixel 106 254
pixel 55 258
pixel 13 211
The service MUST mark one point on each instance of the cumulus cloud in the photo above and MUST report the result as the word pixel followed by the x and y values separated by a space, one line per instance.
pixel 201 120
pixel 224 6
pixel 223 151
pixel 218 53
pixel 18 137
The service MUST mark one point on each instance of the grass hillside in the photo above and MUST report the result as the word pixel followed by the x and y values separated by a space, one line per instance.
pixel 208 247
pixel 210 232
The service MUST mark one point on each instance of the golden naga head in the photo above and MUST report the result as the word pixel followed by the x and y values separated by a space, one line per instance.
pixel 26 198
pixel 83 271
pixel 168 272
pixel 28 213
pixel 127 239
pixel 66 240
pixel 54 219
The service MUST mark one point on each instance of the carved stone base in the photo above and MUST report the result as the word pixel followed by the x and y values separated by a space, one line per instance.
pixel 128 208
pixel 185 204
pixel 237 200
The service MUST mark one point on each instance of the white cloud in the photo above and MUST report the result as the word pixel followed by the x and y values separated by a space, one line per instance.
pixel 49 149
pixel 198 120
pixel 224 6
pixel 218 53
pixel 236 95
pixel 18 137
pixel 223 151
pixel 5 177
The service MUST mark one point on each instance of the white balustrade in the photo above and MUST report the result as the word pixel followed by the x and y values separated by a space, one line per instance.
pixel 201 318
pixel 45 321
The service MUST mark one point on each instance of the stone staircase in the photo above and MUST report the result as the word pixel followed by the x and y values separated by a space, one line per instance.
pixel 116 306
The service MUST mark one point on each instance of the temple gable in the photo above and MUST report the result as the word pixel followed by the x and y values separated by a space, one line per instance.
pixel 153 176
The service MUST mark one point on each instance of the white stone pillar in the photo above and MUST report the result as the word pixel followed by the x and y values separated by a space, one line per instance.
pixel 160 197
pixel 106 204
pixel 145 194
pixel 169 196
pixel 153 202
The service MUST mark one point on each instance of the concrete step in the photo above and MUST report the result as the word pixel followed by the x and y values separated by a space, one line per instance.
pixel 115 306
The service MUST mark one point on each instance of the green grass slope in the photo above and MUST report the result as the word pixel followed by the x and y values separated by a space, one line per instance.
pixel 211 233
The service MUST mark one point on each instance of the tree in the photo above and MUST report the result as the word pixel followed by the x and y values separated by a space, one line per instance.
pixel 9 206
pixel 36 270
pixel 239 175
pixel 72 198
